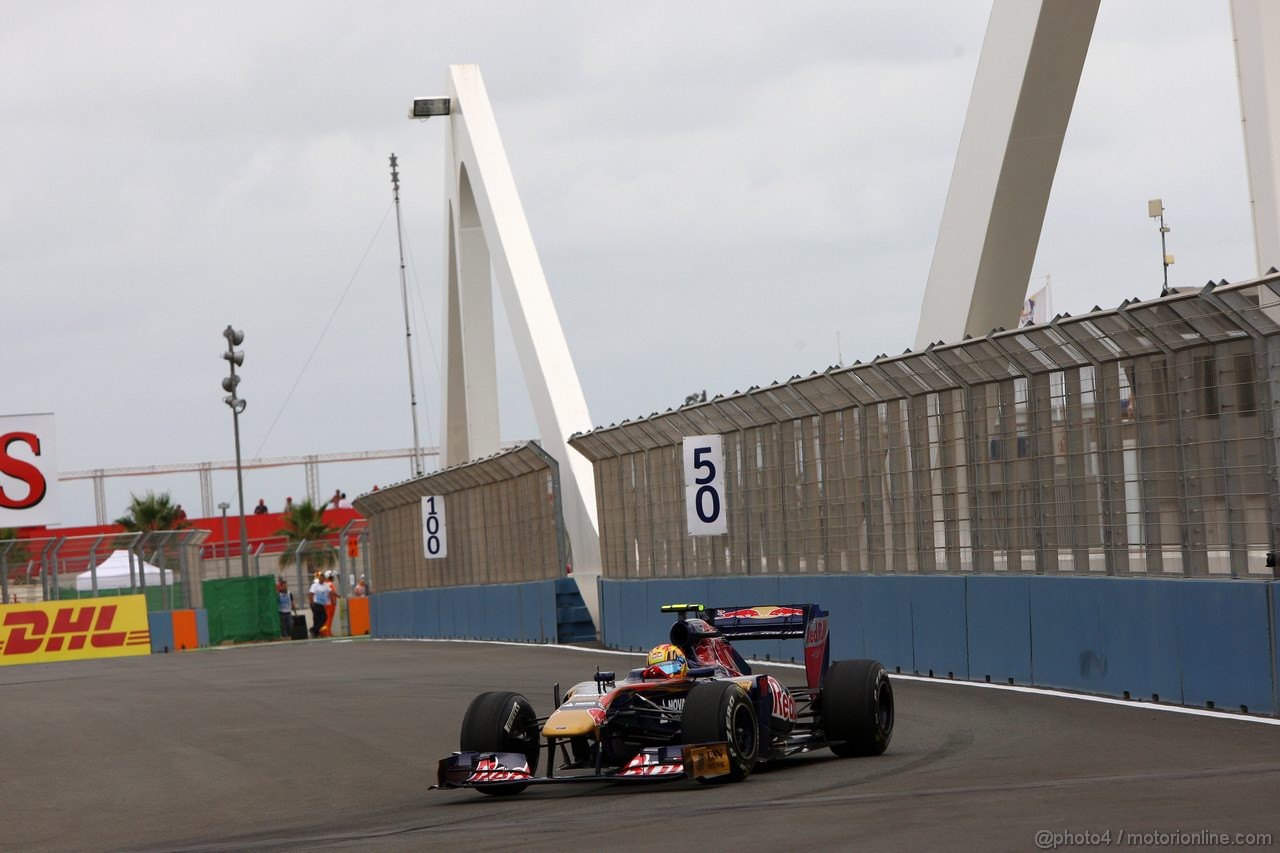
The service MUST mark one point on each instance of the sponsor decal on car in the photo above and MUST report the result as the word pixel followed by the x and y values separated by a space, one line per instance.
pixel 491 770
pixel 760 612
pixel 709 760
pixel 648 764
pixel 784 706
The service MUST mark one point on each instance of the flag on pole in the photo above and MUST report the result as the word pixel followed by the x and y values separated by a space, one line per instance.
pixel 1035 310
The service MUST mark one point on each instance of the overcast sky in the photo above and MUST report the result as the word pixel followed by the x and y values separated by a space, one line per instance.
pixel 716 190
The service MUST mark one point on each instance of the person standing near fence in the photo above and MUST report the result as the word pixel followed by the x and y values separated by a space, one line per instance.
pixel 318 595
pixel 331 609
pixel 285 606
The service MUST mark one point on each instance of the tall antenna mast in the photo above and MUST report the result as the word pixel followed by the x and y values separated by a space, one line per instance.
pixel 416 465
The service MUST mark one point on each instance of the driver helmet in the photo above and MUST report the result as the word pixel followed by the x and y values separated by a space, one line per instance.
pixel 667 661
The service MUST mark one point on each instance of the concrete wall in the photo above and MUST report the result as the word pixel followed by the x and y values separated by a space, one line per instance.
pixel 1190 642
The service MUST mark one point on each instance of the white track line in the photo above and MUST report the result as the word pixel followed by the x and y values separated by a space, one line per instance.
pixel 1012 688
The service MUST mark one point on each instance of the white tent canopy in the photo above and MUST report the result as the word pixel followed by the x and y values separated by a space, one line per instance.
pixel 113 573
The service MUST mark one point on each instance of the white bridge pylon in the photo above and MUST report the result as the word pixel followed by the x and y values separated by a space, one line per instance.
pixel 488 240
pixel 1023 93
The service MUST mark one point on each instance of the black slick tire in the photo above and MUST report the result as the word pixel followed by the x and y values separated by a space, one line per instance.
pixel 500 721
pixel 857 707
pixel 716 711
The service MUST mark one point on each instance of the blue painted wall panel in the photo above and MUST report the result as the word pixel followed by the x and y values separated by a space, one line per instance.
pixel 451 623
pixel 530 616
pixel 549 630
pixel 386 611
pixel 939 625
pixel 160 622
pixel 842 598
pixel 886 621
pixel 620 630
pixel 420 613
pixel 1224 639
pixel 481 616
pixel 202 627
pixel 378 614
pixel 505 611
pixel 998 616
pixel 1066 633
pixel 610 594
pixel 479 625
pixel 404 613
pixel 397 613
pixel 1140 637
pixel 1273 589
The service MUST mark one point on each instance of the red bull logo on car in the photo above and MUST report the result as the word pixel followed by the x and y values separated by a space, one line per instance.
pixel 764 612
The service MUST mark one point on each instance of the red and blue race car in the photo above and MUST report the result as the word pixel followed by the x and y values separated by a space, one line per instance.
pixel 695 710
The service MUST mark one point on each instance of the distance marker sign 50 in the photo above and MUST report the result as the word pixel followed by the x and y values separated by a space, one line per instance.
pixel 704 485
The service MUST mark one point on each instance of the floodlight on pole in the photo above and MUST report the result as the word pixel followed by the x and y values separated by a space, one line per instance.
pixel 235 358
pixel 416 466
pixel 425 108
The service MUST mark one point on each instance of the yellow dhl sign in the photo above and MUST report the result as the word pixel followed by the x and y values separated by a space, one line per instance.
pixel 74 630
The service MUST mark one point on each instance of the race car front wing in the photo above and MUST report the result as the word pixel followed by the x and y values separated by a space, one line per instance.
pixel 652 764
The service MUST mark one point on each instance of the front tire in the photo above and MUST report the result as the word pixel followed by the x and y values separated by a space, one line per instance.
pixel 716 711
pixel 857 707
pixel 501 722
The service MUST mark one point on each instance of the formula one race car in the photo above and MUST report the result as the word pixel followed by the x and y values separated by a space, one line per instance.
pixel 695 710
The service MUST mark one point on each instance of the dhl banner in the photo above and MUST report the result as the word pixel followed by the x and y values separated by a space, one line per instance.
pixel 74 630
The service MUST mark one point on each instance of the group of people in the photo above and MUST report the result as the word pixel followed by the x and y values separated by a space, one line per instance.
pixel 322 596
pixel 338 501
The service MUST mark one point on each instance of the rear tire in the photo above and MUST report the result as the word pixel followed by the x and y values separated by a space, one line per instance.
pixel 716 711
pixel 501 722
pixel 857 707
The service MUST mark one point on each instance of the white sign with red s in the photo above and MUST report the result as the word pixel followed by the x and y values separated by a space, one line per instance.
pixel 28 471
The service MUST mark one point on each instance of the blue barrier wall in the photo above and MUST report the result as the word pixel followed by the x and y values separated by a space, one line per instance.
pixel 1185 641
pixel 522 612
pixel 160 624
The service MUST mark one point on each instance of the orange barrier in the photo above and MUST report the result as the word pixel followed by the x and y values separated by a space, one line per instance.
pixel 74 630
pixel 185 635
pixel 358 615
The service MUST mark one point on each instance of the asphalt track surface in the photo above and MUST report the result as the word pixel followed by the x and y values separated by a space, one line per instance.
pixel 332 745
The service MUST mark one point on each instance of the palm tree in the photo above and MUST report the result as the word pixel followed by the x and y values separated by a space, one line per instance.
pixel 151 512
pixel 148 513
pixel 305 521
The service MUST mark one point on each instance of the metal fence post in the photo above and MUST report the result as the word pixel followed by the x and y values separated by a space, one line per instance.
pixel 4 570
pixel 140 545
pixel 303 586
pixel 93 565
pixel 57 594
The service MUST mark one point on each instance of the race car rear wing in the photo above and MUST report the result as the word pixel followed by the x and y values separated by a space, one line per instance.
pixel 771 622
pixel 765 621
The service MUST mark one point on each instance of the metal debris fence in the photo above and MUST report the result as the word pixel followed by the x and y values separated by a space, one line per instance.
pixel 1134 441
pixel 504 523
pixel 46 568
pixel 49 568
